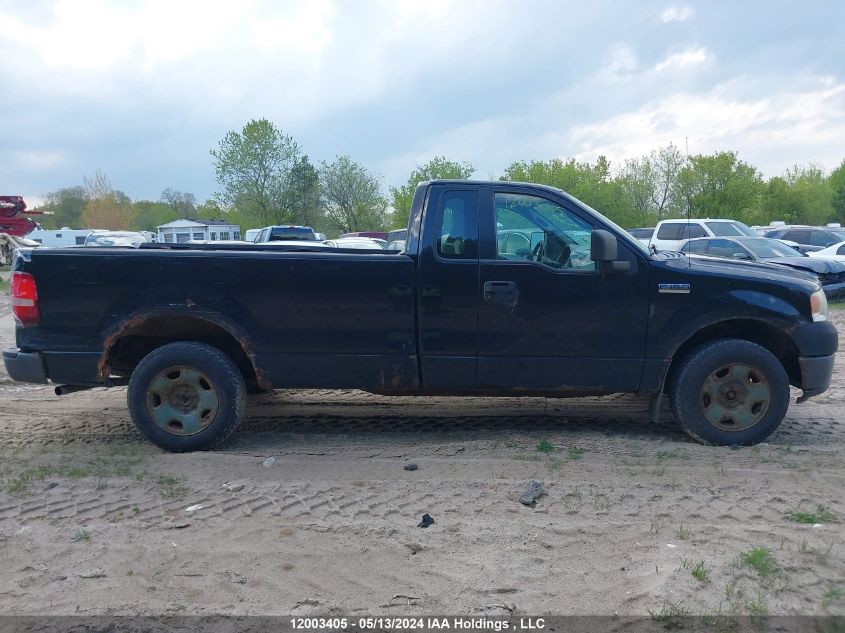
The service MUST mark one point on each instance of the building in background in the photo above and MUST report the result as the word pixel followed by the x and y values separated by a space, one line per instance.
pixel 198 229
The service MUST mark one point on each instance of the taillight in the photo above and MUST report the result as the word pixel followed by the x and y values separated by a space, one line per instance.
pixel 25 299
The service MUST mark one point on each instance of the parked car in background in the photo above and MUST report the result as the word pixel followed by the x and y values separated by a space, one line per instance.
pixel 837 251
pixel 396 245
pixel 365 243
pixel 59 237
pixel 251 234
pixel 809 238
pixel 670 234
pixel 829 272
pixel 396 235
pixel 644 235
pixel 117 238
pixel 379 235
pixel 286 233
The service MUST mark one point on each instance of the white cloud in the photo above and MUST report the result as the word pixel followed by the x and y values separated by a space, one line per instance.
pixel 677 14
pixel 772 132
pixel 689 57
pixel 623 61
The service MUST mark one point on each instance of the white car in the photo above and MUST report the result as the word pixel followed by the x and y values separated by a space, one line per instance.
pixel 837 251
pixel 363 243
pixel 669 235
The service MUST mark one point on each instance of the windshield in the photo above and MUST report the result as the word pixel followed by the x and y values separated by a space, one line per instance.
pixel 840 233
pixel 280 233
pixel 114 240
pixel 765 248
pixel 728 229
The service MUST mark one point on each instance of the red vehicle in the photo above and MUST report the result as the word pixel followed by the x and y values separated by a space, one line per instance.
pixel 12 220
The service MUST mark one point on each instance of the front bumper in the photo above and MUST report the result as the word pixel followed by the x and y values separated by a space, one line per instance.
pixel 25 366
pixel 816 373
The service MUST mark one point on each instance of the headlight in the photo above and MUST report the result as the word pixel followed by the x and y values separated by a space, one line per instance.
pixel 818 306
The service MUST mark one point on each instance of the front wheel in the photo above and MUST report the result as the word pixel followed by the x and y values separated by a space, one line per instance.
pixel 186 396
pixel 729 392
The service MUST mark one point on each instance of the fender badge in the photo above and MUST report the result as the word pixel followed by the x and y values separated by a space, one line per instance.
pixel 673 289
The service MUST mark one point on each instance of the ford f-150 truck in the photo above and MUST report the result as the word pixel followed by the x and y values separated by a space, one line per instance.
pixel 503 289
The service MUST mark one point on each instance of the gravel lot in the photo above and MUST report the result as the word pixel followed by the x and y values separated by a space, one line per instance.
pixel 95 520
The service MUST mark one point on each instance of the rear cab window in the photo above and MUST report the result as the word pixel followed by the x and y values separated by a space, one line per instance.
pixel 457 225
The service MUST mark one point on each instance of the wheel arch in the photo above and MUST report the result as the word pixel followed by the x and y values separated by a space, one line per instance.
pixel 756 331
pixel 133 338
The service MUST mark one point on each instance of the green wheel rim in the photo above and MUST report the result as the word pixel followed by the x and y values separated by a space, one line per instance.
pixel 182 400
pixel 735 397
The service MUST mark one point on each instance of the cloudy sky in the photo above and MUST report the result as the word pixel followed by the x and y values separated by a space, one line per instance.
pixel 142 89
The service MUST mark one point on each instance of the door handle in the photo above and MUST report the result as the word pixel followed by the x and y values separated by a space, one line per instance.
pixel 500 292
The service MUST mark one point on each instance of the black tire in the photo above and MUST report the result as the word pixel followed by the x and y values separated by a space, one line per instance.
pixel 218 375
pixel 698 376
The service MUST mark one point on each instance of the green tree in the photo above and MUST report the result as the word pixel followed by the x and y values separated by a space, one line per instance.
pixel 182 203
pixel 721 186
pixel 64 208
pixel 149 214
pixel 775 202
pixel 254 168
pixel 352 197
pixel 437 167
pixel 837 192
pixel 810 194
pixel 591 183
pixel 106 208
pixel 304 195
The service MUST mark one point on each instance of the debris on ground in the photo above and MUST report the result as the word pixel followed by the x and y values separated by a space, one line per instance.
pixel 268 462
pixel 533 492
pixel 414 547
pixel 193 508
pixel 426 521
pixel 410 466
pixel 233 486
pixel 92 573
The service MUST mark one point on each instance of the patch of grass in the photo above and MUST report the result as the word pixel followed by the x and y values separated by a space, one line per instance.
pixel 698 570
pixel 682 533
pixel 759 559
pixel 836 305
pixel 545 446
pixel 4 286
pixel 575 453
pixel 169 486
pixel 671 615
pixel 675 453
pixel 833 594
pixel 821 515
pixel 655 524
pixel 82 536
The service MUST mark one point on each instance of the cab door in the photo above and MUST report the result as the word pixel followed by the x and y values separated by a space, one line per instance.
pixel 447 288
pixel 548 319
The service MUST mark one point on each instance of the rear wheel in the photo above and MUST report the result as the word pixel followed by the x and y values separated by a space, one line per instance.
pixel 730 391
pixel 186 396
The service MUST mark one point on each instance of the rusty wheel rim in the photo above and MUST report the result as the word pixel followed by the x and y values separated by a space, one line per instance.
pixel 735 397
pixel 182 400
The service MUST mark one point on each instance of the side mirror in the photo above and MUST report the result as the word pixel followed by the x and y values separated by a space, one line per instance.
pixel 604 249
pixel 740 256
pixel 603 246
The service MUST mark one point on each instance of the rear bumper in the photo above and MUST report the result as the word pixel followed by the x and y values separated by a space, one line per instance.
pixel 25 366
pixel 816 373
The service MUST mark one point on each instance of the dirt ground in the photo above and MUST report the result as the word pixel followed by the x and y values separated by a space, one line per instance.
pixel 636 518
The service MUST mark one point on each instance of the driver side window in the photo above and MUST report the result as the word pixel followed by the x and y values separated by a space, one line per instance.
pixel 530 228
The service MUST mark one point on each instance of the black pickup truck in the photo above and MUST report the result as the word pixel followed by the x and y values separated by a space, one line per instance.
pixel 503 289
